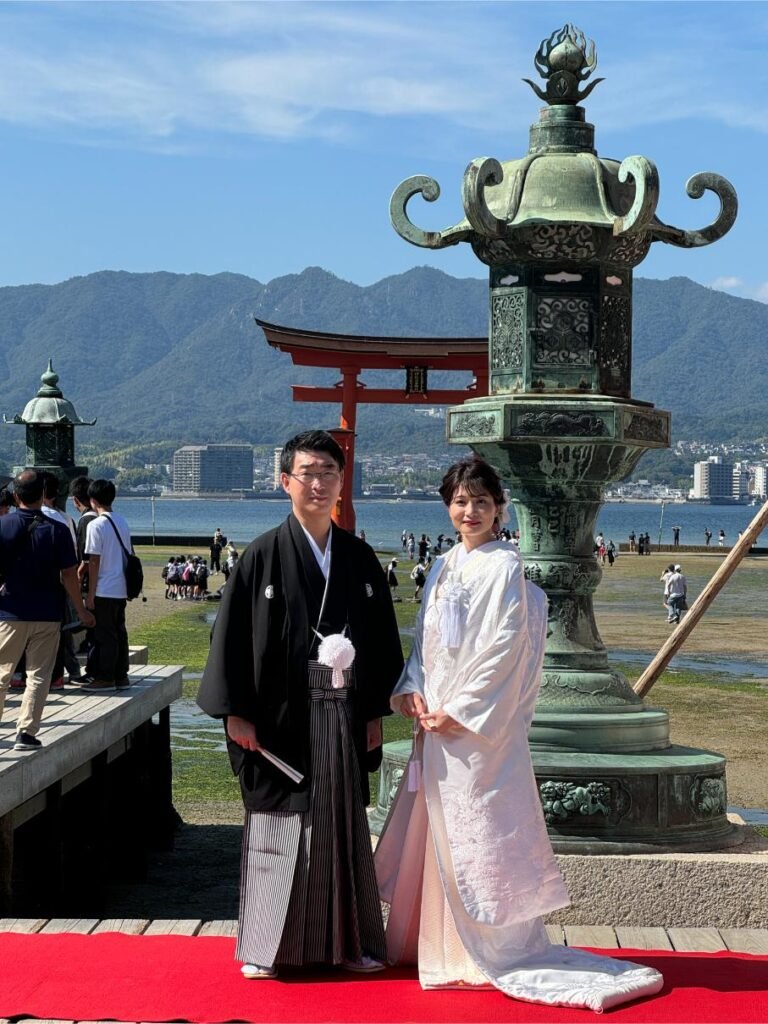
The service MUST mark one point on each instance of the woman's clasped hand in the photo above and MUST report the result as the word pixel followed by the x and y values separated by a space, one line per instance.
pixel 412 705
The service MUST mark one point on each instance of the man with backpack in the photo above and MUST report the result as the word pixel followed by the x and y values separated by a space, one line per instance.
pixel 108 546
pixel 38 564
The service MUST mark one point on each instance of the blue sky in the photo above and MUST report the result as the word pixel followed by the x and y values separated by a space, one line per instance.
pixel 262 138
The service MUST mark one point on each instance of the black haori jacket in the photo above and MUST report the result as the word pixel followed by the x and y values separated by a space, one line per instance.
pixel 260 647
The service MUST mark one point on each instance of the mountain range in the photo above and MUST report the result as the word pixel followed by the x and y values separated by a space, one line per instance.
pixel 178 358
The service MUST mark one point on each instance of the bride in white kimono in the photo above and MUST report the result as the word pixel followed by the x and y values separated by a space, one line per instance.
pixel 464 860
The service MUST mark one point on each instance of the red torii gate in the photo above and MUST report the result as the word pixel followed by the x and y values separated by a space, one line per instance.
pixel 353 353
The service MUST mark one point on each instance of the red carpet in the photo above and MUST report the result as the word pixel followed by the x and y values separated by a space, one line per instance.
pixel 176 978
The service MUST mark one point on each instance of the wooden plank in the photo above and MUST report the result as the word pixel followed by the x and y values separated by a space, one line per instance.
pixel 696 940
pixel 228 928
pixel 598 936
pixel 170 927
pixel 746 940
pixel 555 933
pixel 60 925
pixel 125 925
pixel 138 655
pixel 25 925
pixel 92 723
pixel 642 938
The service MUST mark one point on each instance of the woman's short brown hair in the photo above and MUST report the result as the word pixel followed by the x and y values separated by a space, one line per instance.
pixel 474 475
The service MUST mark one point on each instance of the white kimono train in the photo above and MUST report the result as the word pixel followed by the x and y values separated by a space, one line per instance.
pixel 464 860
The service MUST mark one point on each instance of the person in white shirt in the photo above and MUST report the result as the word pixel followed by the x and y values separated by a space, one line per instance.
pixel 65 656
pixel 107 667
pixel 675 593
pixel 50 494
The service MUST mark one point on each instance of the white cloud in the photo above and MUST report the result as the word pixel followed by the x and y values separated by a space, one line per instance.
pixel 290 70
pixel 761 292
pixel 724 284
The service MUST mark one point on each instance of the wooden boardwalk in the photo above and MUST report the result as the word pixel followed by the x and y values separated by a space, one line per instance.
pixel 77 726
pixel 101 751
pixel 689 940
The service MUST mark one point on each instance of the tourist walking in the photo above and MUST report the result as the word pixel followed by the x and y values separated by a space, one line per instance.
pixel 632 539
pixel 304 655
pixel 721 538
pixel 423 548
pixel 675 593
pixel 78 490
pixel 464 861
pixel 107 541
pixel 392 579
pixel 641 544
pixel 419 577
pixel 39 566
pixel 215 552
pixel 610 550
pixel 65 656
pixel 707 536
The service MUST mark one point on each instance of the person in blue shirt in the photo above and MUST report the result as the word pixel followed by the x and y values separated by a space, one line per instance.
pixel 38 564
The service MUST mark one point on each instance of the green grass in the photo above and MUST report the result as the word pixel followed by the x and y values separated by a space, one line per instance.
pixel 203 775
pixel 180 638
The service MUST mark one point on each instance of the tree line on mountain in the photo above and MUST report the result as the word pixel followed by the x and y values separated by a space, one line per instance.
pixel 175 359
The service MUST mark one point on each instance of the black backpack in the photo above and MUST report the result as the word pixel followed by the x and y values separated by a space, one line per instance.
pixel 133 571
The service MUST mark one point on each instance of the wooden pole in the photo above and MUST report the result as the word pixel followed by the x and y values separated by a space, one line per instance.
pixel 702 602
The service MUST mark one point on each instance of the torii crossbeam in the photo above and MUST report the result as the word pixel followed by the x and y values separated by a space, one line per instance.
pixel 353 353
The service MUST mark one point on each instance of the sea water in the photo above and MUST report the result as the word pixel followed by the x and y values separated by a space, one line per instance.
pixel 384 520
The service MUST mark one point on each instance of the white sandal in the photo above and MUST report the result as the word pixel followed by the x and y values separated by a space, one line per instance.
pixel 255 972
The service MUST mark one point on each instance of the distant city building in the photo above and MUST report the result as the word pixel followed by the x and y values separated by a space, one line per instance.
pixel 740 485
pixel 357 480
pixel 761 480
pixel 200 468
pixel 276 468
pixel 713 480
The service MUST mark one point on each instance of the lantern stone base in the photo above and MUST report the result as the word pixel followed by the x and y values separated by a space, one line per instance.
pixel 670 800
pixel 670 890
pixel 392 770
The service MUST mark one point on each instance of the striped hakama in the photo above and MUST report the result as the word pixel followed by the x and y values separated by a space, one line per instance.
pixel 308 891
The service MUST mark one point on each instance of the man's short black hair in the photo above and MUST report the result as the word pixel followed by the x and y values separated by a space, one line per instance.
pixel 79 488
pixel 102 492
pixel 310 441
pixel 28 486
pixel 50 486
pixel 6 498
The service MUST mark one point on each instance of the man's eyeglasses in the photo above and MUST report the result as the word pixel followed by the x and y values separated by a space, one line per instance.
pixel 327 476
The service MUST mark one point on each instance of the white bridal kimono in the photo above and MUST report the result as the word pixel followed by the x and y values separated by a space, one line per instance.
pixel 464 860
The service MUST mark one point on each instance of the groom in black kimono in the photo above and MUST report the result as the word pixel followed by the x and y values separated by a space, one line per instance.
pixel 308 890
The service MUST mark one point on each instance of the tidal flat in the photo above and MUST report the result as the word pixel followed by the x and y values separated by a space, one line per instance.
pixel 716 692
